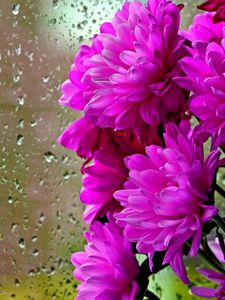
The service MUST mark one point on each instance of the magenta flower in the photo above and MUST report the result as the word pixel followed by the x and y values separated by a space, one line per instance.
pixel 206 292
pixel 165 198
pixel 83 137
pixel 101 179
pixel 205 78
pixel 204 29
pixel 107 172
pixel 126 76
pixel 217 6
pixel 108 268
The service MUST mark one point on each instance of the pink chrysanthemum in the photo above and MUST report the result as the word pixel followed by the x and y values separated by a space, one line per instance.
pixel 108 172
pixel 83 137
pixel 101 179
pixel 108 268
pixel 205 78
pixel 206 292
pixel 126 76
pixel 166 196
pixel 204 29
pixel 217 6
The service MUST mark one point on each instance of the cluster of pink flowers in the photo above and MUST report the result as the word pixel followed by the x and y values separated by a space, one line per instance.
pixel 148 179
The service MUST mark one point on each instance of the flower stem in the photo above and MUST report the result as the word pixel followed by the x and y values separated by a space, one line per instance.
pixel 220 190
pixel 208 259
pixel 219 222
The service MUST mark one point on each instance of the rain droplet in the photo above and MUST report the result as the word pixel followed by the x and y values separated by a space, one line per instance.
pixel 16 9
pixel 14 226
pixel 49 157
pixel 66 175
pixel 42 217
pixel 45 78
pixel 34 238
pixel 35 253
pixel 17 282
pixel 21 99
pixel 21 123
pixel 22 243
pixel 55 3
pixel 18 50
pixel 20 139
pixel 10 199
pixel 33 123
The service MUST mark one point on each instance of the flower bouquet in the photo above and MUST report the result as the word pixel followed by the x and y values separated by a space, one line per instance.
pixel 152 136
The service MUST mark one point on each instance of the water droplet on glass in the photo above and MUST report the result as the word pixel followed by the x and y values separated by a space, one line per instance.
pixel 33 123
pixel 45 78
pixel 21 123
pixel 22 244
pixel 20 139
pixel 34 238
pixel 18 50
pixel 49 157
pixel 55 3
pixel 21 99
pixel 16 9
pixel 14 226
pixel 66 175
pixel 17 282
pixel 10 199
pixel 35 253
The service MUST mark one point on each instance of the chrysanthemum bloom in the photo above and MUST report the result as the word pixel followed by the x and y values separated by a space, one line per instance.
pixel 101 179
pixel 217 6
pixel 107 172
pixel 206 292
pixel 83 137
pixel 204 29
pixel 108 268
pixel 205 78
pixel 166 196
pixel 126 76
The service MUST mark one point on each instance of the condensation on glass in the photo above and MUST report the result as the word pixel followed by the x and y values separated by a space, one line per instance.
pixel 40 215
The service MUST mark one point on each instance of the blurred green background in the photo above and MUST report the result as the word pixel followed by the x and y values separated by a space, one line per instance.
pixel 40 215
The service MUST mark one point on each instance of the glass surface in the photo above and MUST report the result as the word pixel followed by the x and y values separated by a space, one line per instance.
pixel 40 215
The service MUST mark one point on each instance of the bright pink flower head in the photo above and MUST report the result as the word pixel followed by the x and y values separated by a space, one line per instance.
pixel 206 292
pixel 165 198
pixel 205 78
pixel 126 76
pixel 217 6
pixel 83 137
pixel 108 268
pixel 107 172
pixel 204 29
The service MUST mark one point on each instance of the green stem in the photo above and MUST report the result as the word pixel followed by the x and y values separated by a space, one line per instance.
pixel 208 259
pixel 220 190
pixel 203 255
pixel 219 222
